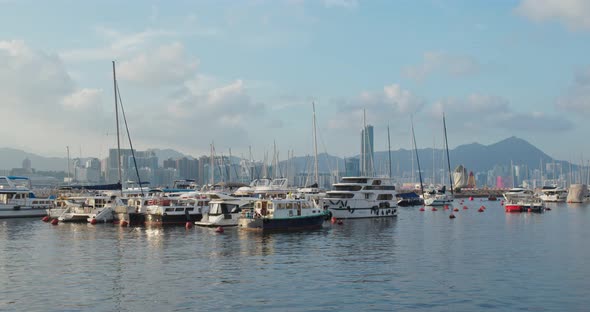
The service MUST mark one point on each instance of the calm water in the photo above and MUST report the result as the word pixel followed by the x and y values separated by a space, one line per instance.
pixel 421 261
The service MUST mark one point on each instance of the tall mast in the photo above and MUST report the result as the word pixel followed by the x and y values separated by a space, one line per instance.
pixel 417 158
pixel 69 177
pixel 315 147
pixel 117 121
pixel 389 150
pixel 448 159
pixel 212 166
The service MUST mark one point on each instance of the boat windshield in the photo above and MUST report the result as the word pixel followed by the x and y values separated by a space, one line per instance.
pixel 340 195
pixel 354 180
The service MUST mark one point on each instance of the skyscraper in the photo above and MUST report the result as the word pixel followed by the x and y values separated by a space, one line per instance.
pixel 367 162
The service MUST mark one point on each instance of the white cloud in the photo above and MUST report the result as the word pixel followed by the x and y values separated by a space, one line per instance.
pixel 480 113
pixel 577 98
pixel 167 64
pixel 84 99
pixel 380 106
pixel 575 14
pixel 348 4
pixel 435 62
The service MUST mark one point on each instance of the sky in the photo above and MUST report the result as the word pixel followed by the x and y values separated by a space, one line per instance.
pixel 244 74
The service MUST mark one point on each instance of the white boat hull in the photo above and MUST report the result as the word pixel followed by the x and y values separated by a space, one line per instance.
pixel 22 212
pixel 223 220
pixel 437 201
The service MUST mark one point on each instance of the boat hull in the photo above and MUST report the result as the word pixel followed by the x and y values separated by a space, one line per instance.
pixel 360 213
pixel 283 224
pixel 523 208
pixel 170 219
pixel 22 212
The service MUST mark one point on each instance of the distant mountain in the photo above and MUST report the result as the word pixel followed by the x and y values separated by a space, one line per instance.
pixel 13 158
pixel 475 157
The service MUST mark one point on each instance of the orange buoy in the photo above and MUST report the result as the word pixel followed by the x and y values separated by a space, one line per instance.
pixel 123 223
pixel 456 209
pixel 422 209
pixel 451 216
pixel 93 221
pixel 219 229
pixel 54 221
pixel 333 220
pixel 45 219
pixel 188 225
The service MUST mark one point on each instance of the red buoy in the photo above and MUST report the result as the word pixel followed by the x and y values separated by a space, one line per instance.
pixel 529 210
pixel 45 219
pixel 340 222
pixel 434 209
pixel 93 221
pixel 123 223
pixel 188 225
pixel 333 220
pixel 483 207
pixel 446 207
pixel 219 229
pixel 54 221
pixel 451 216
pixel 471 198
pixel 456 209
pixel 465 208
pixel 422 209
pixel 480 210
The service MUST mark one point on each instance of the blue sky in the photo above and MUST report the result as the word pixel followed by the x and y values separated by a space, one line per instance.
pixel 244 73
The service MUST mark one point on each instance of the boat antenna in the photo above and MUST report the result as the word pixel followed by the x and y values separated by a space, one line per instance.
pixel 417 158
pixel 130 144
pixel 117 121
pixel 448 159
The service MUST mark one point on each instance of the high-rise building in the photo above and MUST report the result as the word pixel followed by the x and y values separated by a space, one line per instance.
pixel 367 161
pixel 351 167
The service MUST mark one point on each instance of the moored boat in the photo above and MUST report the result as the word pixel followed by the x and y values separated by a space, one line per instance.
pixel 282 215
pixel 361 197
pixel 225 210
pixel 553 194
pixel 18 201
pixel 174 211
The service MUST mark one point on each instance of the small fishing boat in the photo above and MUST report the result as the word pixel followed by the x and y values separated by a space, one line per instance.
pixel 289 214
pixel 175 210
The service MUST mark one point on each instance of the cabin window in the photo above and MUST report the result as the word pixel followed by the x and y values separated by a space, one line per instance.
pixel 179 209
pixel 380 187
pixel 384 197
pixel 169 209
pixel 289 205
pixel 354 180
pixel 340 195
pixel 352 188
pixel 377 182
pixel 367 195
pixel 190 209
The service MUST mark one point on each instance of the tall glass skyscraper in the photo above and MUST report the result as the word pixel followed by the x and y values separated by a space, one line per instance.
pixel 367 162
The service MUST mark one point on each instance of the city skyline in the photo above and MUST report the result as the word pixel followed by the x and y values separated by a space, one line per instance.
pixel 243 74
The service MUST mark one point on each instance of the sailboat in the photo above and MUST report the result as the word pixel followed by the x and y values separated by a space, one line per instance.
pixel 412 199
pixel 440 197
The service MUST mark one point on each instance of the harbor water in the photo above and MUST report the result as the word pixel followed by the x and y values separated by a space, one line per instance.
pixel 419 261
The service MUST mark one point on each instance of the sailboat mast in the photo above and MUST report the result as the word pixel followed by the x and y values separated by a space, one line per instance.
pixel 417 158
pixel 389 150
pixel 69 177
pixel 117 121
pixel 315 147
pixel 448 159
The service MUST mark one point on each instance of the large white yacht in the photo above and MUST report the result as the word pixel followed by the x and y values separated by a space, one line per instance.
pixel 18 201
pixel 553 194
pixel 361 197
